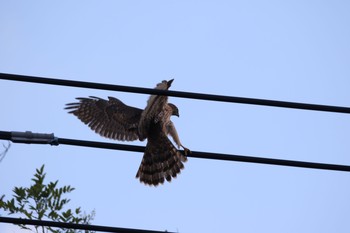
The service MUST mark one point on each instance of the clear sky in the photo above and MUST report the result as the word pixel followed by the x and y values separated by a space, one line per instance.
pixel 283 50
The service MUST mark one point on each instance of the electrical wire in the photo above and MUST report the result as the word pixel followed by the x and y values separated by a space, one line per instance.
pixel 28 137
pixel 191 95
pixel 74 226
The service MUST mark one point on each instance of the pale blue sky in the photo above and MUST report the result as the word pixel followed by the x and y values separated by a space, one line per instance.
pixel 284 50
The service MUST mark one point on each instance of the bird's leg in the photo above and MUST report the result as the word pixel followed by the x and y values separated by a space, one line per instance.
pixel 170 129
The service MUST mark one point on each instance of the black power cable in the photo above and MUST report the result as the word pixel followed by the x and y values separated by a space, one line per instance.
pixel 191 95
pixel 37 138
pixel 74 226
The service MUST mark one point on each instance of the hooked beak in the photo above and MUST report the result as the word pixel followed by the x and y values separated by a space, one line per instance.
pixel 170 82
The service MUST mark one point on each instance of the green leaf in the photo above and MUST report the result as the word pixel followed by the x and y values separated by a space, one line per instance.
pixel 42 168
pixel 40 201
pixel 28 215
pixel 41 214
pixel 12 204
pixel 78 210
pixel 24 227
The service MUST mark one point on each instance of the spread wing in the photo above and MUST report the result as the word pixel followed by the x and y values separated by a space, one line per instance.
pixel 153 110
pixel 161 160
pixel 110 118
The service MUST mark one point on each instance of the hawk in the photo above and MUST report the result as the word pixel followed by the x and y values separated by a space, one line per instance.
pixel 113 119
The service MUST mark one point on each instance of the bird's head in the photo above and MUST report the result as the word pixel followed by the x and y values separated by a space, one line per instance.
pixel 175 110
pixel 164 85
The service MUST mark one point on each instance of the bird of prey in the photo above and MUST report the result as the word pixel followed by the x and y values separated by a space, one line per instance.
pixel 113 119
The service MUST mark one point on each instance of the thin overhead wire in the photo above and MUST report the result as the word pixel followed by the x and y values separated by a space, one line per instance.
pixel 74 226
pixel 28 137
pixel 190 95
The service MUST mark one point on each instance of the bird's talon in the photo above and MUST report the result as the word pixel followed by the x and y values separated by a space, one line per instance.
pixel 187 151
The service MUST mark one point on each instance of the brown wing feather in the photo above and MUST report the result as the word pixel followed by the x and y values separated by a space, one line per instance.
pixel 161 160
pixel 110 118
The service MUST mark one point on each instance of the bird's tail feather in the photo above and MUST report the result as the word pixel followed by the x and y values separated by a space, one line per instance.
pixel 161 161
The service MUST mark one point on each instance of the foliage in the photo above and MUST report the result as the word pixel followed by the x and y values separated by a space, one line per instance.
pixel 44 202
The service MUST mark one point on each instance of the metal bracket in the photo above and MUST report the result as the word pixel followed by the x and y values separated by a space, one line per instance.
pixel 35 138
